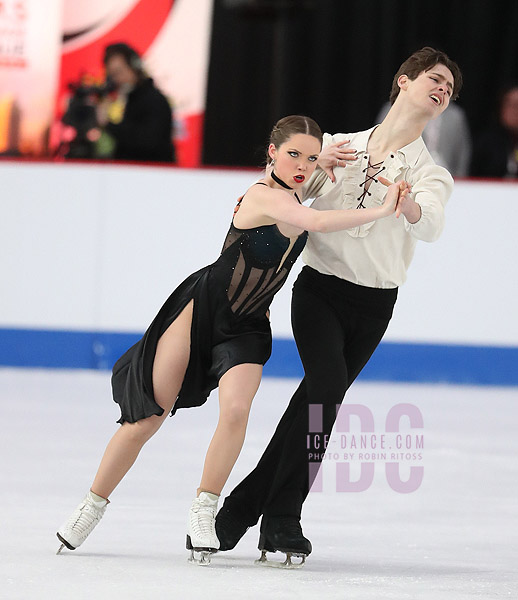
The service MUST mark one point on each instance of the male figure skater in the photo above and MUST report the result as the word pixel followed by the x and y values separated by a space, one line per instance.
pixel 344 296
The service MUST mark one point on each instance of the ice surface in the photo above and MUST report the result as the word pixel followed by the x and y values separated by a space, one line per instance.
pixel 455 537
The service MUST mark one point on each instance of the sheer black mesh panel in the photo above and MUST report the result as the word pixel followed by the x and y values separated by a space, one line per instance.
pixel 260 260
pixel 268 289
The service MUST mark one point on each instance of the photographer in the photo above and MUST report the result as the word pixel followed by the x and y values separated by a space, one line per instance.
pixel 140 121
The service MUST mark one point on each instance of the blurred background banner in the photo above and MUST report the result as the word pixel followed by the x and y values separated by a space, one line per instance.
pixel 156 30
pixel 41 67
pixel 29 63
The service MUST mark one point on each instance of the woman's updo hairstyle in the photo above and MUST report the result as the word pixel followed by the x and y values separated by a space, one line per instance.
pixel 291 125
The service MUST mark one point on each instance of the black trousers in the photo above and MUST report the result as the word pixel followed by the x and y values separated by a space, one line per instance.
pixel 337 326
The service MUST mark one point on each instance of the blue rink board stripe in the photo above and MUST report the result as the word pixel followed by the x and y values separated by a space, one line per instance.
pixel 425 363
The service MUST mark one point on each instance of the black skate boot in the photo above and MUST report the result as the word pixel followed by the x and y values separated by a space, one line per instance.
pixel 283 534
pixel 230 527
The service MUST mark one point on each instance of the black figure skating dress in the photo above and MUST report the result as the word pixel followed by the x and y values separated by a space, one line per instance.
pixel 229 324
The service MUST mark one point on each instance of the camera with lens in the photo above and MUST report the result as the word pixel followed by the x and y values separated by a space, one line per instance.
pixel 81 115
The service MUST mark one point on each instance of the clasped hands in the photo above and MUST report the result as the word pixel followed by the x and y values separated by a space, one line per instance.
pixel 335 155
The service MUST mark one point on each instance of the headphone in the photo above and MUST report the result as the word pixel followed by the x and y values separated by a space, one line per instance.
pixel 131 56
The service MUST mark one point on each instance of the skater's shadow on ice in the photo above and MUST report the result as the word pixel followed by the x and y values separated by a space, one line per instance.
pixel 391 570
pixel 118 556
pixel 366 569
pixel 384 570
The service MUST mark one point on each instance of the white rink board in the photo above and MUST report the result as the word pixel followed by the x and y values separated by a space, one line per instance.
pixel 100 247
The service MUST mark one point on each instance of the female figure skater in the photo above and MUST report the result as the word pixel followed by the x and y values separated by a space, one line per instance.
pixel 214 331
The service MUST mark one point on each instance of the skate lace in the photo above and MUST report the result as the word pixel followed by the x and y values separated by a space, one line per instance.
pixel 203 521
pixel 86 518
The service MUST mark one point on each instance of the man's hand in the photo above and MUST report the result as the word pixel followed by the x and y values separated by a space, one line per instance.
pixel 405 206
pixel 335 155
pixel 396 193
pixel 408 207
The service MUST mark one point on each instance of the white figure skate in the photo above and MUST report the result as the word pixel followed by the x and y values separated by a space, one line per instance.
pixel 201 537
pixel 81 522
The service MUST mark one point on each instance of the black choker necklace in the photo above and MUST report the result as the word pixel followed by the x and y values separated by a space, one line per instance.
pixel 280 181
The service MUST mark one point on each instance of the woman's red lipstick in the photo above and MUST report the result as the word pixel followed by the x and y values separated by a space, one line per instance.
pixel 299 178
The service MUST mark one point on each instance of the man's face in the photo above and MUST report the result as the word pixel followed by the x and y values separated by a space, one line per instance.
pixel 509 111
pixel 432 89
pixel 118 70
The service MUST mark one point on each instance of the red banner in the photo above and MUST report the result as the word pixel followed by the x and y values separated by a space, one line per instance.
pixel 38 64
pixel 149 26
pixel 138 28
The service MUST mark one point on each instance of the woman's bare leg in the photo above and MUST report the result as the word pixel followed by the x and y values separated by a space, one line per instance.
pixel 169 366
pixel 237 389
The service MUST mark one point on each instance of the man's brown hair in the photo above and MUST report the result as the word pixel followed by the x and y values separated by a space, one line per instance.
pixel 424 60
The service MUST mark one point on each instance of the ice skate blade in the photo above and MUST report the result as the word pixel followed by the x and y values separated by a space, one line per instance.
pixel 204 553
pixel 64 544
pixel 287 564
pixel 200 557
